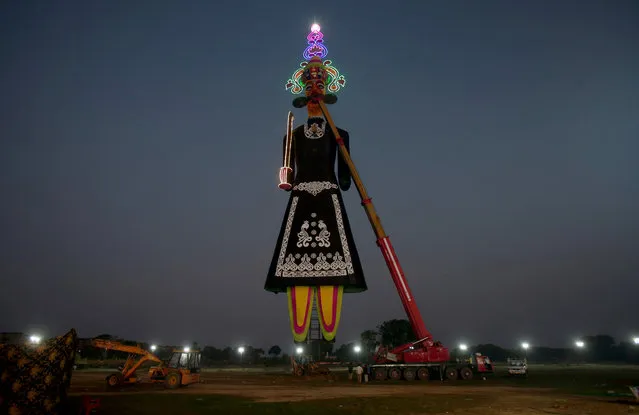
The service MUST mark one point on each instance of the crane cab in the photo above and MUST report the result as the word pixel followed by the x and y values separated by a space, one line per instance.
pixel 181 369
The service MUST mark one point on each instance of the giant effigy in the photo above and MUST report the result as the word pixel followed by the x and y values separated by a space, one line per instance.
pixel 315 260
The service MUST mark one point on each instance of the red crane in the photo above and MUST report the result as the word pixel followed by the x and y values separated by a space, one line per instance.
pixel 424 357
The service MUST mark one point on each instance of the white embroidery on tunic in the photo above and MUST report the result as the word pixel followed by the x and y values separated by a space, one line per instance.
pixel 323 267
pixel 315 188
pixel 303 237
pixel 322 238
pixel 322 263
pixel 337 261
pixel 306 265
pixel 314 131
pixel 287 231
pixel 319 263
pixel 342 235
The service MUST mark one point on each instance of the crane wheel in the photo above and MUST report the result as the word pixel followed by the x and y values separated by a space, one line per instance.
pixel 451 373
pixel 422 373
pixel 466 373
pixel 380 374
pixel 173 380
pixel 409 373
pixel 395 374
pixel 114 380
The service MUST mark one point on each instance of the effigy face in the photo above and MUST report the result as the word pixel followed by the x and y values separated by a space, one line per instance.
pixel 314 89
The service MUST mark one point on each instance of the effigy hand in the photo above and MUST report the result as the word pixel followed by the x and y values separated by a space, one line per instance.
pixel 286 178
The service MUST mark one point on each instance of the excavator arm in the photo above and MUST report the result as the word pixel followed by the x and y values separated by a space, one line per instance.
pixel 137 355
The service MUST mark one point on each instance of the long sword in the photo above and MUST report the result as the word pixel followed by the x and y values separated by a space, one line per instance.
pixel 286 172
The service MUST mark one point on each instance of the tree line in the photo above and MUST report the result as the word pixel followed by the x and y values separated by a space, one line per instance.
pixel 390 333
pixel 597 348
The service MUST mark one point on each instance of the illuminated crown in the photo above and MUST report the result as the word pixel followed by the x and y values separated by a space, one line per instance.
pixel 314 68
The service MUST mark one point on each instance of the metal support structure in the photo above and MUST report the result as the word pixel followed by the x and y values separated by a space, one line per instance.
pixel 383 241
pixel 314 338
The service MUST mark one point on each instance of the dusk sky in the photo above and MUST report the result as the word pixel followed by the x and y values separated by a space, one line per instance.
pixel 141 142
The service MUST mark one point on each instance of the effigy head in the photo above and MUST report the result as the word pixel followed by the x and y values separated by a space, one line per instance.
pixel 316 77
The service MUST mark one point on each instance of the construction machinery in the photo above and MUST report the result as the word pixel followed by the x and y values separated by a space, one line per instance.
pixel 424 357
pixel 181 369
pixel 517 367
pixel 127 372
pixel 304 365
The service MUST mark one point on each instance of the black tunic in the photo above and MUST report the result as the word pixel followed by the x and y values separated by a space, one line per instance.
pixel 315 246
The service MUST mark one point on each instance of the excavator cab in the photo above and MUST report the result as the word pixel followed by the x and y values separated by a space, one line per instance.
pixel 181 369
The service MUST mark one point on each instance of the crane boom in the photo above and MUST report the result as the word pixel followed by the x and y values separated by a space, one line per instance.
pixel 423 358
pixel 383 241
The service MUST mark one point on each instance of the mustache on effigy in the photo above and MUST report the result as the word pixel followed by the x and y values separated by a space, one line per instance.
pixel 301 102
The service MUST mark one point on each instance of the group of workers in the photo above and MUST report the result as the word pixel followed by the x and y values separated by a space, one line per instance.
pixel 363 371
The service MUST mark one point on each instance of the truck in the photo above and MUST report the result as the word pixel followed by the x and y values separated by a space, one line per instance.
pixel 517 367
pixel 419 361
pixel 422 359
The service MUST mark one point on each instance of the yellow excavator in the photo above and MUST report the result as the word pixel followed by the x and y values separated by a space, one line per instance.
pixel 181 369
pixel 304 365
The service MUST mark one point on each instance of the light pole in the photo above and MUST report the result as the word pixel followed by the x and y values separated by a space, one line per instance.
pixel 240 350
pixel 635 340
pixel 357 349
pixel 579 346
pixel 526 346
pixel 461 356
pixel 153 347
pixel 35 339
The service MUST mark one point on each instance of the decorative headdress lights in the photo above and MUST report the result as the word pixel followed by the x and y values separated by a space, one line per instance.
pixel 314 67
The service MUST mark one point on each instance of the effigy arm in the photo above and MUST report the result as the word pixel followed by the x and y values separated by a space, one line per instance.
pixel 286 171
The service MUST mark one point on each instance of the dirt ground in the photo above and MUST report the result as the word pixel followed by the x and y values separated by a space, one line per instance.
pixel 503 400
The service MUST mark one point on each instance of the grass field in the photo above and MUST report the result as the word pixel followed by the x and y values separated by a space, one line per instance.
pixel 548 390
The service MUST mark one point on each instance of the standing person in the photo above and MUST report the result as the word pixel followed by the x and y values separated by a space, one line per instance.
pixel 359 370
pixel 315 255
pixel 366 372
pixel 350 370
